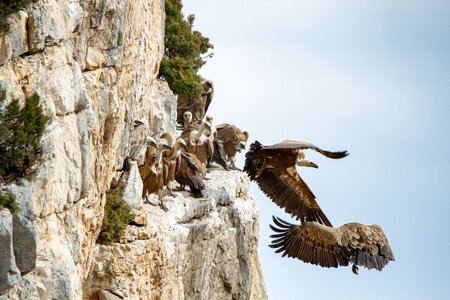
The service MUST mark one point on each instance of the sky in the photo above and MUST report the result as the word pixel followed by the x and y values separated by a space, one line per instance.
pixel 369 77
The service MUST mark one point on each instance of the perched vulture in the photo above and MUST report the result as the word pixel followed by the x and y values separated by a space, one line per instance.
pixel 234 141
pixel 154 176
pixel 190 172
pixel 197 106
pixel 170 159
pixel 199 145
pixel 273 169
pixel 216 144
pixel 314 243
pixel 139 140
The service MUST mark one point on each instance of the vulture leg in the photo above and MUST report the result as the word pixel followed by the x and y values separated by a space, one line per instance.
pixel 161 203
pixel 181 187
pixel 170 188
pixel 232 165
pixel 147 200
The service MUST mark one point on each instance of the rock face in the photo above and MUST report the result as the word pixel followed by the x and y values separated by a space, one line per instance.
pixel 200 249
pixel 94 64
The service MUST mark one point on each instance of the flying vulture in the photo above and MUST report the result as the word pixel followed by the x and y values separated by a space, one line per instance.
pixel 273 168
pixel 314 243
pixel 234 141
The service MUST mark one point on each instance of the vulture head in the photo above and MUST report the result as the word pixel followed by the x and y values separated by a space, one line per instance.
pixel 187 117
pixel 151 142
pixel 306 163
pixel 180 144
pixel 168 137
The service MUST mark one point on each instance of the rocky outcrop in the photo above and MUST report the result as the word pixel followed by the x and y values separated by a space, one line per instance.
pixel 94 64
pixel 17 238
pixel 9 274
pixel 200 249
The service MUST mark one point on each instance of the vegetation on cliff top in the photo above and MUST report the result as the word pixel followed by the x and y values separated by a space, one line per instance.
pixel 183 52
pixel 117 216
pixel 8 7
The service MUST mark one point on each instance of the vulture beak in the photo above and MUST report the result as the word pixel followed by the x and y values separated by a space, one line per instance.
pixel 165 146
pixel 314 165
pixel 183 145
pixel 151 142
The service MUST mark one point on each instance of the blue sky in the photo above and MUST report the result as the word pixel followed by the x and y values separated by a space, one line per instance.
pixel 370 77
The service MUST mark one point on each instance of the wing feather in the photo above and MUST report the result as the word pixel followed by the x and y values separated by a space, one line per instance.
pixel 317 244
pixel 288 144
pixel 190 173
pixel 290 192
pixel 310 242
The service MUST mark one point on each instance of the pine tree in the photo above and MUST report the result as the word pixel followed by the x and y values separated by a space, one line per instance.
pixel 183 52
pixel 20 131
pixel 117 216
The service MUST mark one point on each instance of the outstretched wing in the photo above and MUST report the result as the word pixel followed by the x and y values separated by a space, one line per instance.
pixel 310 242
pixel 288 144
pixel 289 191
pixel 327 247
pixel 275 173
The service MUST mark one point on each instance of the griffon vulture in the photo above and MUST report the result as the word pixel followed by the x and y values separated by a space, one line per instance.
pixel 190 172
pixel 139 140
pixel 314 243
pixel 170 159
pixel 273 168
pixel 198 106
pixel 216 144
pixel 154 176
pixel 234 141
pixel 199 145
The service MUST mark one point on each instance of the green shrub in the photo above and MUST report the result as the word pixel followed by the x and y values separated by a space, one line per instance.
pixel 8 7
pixel 117 216
pixel 183 52
pixel 20 131
pixel 8 200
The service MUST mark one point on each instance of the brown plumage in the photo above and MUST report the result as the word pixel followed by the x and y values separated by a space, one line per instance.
pixel 190 172
pixel 234 141
pixel 198 106
pixel 314 243
pixel 273 168
pixel 216 144
pixel 154 176
pixel 139 141
pixel 199 145
pixel 170 159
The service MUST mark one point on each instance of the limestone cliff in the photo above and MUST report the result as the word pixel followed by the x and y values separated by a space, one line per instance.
pixel 94 63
